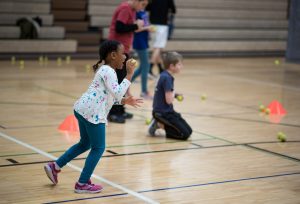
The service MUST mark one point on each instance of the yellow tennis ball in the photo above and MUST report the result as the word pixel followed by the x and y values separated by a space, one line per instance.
pixel 68 59
pixel 148 121
pixel 133 61
pixel 58 61
pixel 262 108
pixel 179 98
pixel 281 136
pixel 88 68
pixel 277 62
pixel 267 111
pixel 13 60
pixel 152 28
pixel 203 97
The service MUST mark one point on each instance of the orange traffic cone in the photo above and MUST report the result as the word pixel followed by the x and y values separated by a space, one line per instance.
pixel 276 108
pixel 70 124
pixel 277 112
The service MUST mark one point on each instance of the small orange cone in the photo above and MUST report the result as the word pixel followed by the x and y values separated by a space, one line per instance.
pixel 70 124
pixel 276 108
pixel 277 112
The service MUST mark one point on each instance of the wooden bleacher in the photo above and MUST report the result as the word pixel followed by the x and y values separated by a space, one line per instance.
pixel 51 38
pixel 216 26
pixel 72 15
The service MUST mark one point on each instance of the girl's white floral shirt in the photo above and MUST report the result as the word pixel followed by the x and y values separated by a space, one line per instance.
pixel 104 91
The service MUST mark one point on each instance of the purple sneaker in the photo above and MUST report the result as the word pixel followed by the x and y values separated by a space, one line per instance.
pixel 87 188
pixel 51 172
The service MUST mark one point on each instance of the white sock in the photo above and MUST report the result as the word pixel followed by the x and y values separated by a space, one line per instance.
pixel 56 166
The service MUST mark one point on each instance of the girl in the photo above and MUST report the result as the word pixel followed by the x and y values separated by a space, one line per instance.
pixel 91 112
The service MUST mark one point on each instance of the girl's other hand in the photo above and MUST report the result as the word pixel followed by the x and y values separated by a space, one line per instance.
pixel 135 102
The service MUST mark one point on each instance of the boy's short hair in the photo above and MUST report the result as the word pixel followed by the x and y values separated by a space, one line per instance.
pixel 171 58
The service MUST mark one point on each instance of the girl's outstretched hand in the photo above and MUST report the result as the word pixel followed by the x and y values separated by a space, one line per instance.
pixel 130 100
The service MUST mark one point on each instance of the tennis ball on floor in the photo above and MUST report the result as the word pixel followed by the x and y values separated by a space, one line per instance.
pixel 22 64
pixel 277 62
pixel 267 111
pixel 59 61
pixel 179 98
pixel 262 108
pixel 148 121
pixel 13 60
pixel 281 136
pixel 203 97
pixel 88 68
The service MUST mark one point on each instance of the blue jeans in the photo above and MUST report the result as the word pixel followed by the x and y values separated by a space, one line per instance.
pixel 143 69
pixel 92 136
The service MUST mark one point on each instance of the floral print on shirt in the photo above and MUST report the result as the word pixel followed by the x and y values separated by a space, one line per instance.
pixel 95 104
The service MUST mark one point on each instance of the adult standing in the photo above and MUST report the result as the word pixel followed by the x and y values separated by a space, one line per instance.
pixel 159 14
pixel 122 28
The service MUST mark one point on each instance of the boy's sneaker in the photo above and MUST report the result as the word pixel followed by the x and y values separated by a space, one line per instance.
pixel 152 127
pixel 87 188
pixel 51 172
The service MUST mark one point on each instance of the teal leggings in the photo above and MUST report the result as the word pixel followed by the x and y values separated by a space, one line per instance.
pixel 92 136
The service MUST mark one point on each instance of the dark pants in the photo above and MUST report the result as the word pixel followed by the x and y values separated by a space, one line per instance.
pixel 175 126
pixel 121 74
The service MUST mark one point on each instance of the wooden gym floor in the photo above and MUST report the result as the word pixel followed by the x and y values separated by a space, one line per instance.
pixel 233 155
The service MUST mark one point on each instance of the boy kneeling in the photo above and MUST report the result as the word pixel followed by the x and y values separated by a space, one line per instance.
pixel 164 115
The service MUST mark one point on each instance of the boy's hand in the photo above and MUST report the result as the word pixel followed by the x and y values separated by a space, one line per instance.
pixel 130 100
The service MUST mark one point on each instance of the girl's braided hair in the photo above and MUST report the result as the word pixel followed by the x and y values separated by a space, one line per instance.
pixel 105 48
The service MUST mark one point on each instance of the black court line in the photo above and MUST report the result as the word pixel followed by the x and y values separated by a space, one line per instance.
pixel 274 153
pixel 183 187
pixel 114 155
pixel 12 161
pixel 113 146
pixel 221 182
pixel 162 151
pixel 215 137
pixel 197 145
pixel 33 104
pixel 80 199
pixel 112 152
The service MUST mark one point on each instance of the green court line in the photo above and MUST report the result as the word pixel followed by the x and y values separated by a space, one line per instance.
pixel 56 92
pixel 113 146
pixel 215 137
